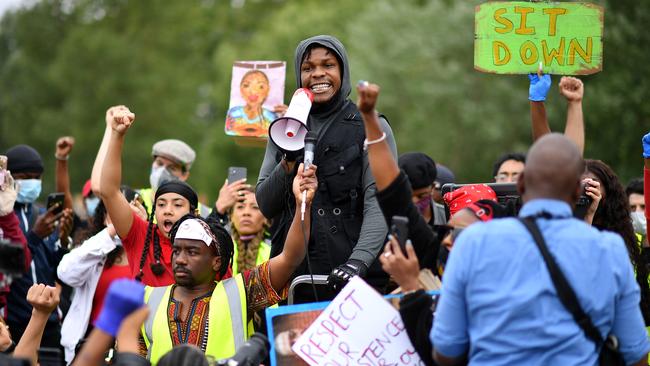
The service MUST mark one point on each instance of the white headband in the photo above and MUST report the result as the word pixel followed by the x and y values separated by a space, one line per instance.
pixel 196 230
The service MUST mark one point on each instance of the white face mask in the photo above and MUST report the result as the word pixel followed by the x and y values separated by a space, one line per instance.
pixel 639 222
pixel 160 175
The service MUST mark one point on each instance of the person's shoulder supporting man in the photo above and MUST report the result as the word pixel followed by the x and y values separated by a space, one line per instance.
pixel 497 291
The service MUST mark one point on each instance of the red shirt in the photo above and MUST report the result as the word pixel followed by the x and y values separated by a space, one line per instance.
pixel 108 275
pixel 134 245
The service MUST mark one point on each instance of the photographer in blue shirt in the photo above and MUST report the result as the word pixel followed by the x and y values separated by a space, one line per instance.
pixel 498 304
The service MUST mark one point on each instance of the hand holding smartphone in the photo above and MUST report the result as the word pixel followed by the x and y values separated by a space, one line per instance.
pixel 399 228
pixel 236 173
pixel 54 199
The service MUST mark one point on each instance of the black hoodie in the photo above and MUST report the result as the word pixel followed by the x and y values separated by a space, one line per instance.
pixel 273 191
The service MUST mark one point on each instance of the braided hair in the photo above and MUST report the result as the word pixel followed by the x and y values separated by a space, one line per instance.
pixel 157 268
pixel 180 188
pixel 247 250
pixel 224 246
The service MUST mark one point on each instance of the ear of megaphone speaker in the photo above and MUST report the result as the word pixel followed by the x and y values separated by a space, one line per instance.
pixel 288 132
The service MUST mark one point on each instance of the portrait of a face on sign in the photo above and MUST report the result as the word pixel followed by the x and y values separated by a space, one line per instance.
pixel 256 88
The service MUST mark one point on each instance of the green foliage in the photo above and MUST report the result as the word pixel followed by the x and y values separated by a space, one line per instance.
pixel 63 63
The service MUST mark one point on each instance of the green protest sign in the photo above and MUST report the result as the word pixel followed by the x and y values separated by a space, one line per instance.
pixel 514 37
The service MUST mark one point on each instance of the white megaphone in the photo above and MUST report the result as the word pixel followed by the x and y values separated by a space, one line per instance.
pixel 288 132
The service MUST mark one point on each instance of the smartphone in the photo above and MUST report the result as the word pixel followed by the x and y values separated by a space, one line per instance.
pixel 236 173
pixel 399 228
pixel 3 171
pixel 53 199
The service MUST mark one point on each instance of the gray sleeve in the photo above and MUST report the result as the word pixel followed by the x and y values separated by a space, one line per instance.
pixel 373 228
pixel 272 184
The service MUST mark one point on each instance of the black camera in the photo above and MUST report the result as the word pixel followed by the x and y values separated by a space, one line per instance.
pixel 251 353
pixel 509 197
pixel 582 204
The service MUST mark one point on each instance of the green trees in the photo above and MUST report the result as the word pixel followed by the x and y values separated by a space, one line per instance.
pixel 63 62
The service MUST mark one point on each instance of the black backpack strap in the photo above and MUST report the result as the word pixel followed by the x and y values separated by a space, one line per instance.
pixel 564 291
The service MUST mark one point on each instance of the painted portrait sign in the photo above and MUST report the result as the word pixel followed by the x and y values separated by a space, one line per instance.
pixel 256 88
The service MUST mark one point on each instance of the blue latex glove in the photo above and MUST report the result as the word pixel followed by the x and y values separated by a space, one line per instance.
pixel 123 298
pixel 538 87
pixel 646 145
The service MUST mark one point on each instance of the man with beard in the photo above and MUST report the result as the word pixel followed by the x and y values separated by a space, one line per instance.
pixel 215 315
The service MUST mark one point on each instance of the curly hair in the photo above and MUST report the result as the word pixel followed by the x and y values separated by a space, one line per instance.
pixel 613 214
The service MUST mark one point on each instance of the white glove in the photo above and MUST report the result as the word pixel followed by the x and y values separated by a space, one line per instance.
pixel 7 195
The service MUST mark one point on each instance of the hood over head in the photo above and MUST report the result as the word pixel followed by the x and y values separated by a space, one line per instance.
pixel 333 44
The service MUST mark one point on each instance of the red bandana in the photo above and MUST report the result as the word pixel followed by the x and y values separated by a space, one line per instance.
pixel 466 195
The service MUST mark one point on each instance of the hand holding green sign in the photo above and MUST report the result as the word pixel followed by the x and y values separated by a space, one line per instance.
pixel 514 37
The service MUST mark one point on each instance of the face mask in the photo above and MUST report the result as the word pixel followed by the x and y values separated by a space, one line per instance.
pixel 639 222
pixel 423 204
pixel 28 190
pixel 91 205
pixel 160 175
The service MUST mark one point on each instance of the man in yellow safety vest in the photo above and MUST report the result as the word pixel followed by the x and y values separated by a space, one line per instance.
pixel 214 315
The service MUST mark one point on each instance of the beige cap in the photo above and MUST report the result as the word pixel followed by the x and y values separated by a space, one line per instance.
pixel 175 150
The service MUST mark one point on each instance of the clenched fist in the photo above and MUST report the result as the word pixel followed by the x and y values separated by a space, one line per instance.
pixel 368 94
pixel 64 146
pixel 44 299
pixel 119 118
pixel 571 88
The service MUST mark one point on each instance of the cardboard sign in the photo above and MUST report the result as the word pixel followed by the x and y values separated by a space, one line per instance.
pixel 357 328
pixel 256 88
pixel 515 37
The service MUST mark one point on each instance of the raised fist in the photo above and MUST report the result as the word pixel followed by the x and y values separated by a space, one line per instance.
pixel 119 118
pixel 571 88
pixel 64 146
pixel 368 94
pixel 44 299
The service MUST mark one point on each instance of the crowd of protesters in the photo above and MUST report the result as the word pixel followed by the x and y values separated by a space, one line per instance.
pixel 547 264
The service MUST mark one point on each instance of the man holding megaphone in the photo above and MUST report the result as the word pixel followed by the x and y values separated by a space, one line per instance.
pixel 348 228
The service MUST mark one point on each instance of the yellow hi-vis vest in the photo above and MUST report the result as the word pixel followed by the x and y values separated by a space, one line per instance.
pixel 263 254
pixel 227 330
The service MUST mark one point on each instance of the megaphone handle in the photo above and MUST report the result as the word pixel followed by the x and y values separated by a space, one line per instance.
pixel 303 206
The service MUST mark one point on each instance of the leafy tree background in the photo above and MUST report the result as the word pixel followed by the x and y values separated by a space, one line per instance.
pixel 63 62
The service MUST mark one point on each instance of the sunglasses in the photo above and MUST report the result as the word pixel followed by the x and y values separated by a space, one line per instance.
pixel 443 230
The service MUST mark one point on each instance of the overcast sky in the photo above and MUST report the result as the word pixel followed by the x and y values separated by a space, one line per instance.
pixel 10 4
